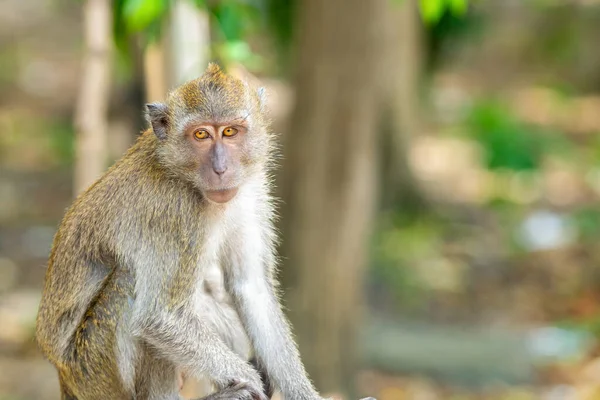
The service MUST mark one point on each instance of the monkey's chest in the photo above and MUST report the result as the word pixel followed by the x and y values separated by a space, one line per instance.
pixel 215 307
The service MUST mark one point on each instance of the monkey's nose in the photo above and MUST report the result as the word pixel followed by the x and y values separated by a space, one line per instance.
pixel 220 170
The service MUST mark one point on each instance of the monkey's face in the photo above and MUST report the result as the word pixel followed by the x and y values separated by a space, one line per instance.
pixel 215 156
pixel 212 134
pixel 217 152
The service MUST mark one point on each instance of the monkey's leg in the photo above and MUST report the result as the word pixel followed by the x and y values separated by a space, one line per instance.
pixel 91 369
pixel 156 378
pixel 193 346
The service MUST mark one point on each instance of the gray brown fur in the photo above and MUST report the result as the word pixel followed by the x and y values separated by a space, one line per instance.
pixel 147 279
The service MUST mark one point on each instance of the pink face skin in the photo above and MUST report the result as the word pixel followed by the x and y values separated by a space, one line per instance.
pixel 219 147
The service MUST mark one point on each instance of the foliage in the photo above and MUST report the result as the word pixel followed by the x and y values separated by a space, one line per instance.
pixel 512 144
pixel 233 23
pixel 506 141
pixel 450 28
pixel 139 14
pixel 280 19
pixel 587 221
pixel 433 10
pixel 142 17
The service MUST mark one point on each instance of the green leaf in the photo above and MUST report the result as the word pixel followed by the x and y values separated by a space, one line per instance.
pixel 507 142
pixel 231 19
pixel 237 52
pixel 458 7
pixel 138 14
pixel 236 19
pixel 432 10
pixel 281 21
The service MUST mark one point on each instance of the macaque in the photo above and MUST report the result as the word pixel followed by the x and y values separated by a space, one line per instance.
pixel 166 265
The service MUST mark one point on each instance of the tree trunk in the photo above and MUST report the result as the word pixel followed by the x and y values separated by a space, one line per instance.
pixel 400 105
pixel 155 76
pixel 329 187
pixel 188 42
pixel 181 55
pixel 92 106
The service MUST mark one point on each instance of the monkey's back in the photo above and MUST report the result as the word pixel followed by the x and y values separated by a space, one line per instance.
pixel 103 229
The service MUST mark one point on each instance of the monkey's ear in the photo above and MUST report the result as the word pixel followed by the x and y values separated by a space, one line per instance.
pixel 262 98
pixel 157 115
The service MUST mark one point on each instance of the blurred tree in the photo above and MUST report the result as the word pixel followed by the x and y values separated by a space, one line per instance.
pixel 357 67
pixel 400 105
pixel 330 184
pixel 155 74
pixel 180 36
pixel 92 105
pixel 188 42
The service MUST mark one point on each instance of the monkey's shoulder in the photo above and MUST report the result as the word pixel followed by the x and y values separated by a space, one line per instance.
pixel 119 216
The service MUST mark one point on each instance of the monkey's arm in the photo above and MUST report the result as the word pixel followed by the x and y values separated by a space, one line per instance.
pixel 259 309
pixel 190 344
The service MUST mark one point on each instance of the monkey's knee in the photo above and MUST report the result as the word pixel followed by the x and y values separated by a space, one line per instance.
pixel 86 375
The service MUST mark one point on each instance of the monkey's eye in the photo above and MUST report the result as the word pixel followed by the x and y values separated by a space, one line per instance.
pixel 230 132
pixel 201 134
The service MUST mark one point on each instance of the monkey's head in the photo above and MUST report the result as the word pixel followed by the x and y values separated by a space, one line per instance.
pixel 212 132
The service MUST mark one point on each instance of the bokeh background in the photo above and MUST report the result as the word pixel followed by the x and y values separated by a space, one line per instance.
pixel 440 176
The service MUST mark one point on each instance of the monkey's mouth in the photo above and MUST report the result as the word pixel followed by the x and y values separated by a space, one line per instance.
pixel 221 196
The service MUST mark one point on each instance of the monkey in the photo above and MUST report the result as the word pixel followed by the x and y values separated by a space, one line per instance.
pixel 166 265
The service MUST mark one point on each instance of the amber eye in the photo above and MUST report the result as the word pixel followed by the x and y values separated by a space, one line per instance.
pixel 201 134
pixel 230 131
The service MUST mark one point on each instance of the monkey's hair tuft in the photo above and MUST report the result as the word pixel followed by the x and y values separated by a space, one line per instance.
pixel 213 69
